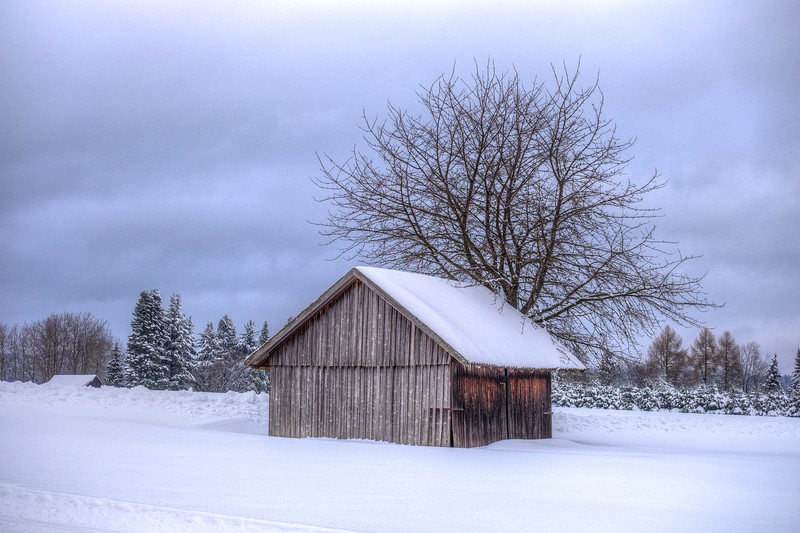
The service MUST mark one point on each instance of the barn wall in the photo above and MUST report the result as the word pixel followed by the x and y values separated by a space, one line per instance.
pixel 359 369
pixel 394 404
pixel 491 404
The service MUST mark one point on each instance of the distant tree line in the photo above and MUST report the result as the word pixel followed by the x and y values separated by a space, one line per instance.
pixel 66 343
pixel 162 352
pixel 713 374
pixel 721 362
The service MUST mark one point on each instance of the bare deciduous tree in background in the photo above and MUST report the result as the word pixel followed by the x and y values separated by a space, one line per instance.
pixel 704 357
pixel 522 190
pixel 754 366
pixel 667 359
pixel 66 343
pixel 730 361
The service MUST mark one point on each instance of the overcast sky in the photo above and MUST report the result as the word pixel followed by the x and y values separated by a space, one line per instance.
pixel 171 146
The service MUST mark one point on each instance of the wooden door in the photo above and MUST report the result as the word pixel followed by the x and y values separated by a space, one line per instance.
pixel 479 413
pixel 529 408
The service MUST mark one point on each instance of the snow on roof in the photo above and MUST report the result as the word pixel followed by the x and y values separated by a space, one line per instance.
pixel 473 321
pixel 78 380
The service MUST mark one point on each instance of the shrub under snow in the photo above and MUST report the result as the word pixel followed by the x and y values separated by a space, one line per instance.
pixel 668 398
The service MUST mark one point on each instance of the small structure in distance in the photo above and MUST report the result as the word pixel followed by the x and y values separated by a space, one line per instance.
pixel 408 358
pixel 76 380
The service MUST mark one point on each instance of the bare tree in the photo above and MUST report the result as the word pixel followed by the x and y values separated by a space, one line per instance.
pixel 520 189
pixel 27 354
pixel 666 357
pixel 69 343
pixel 754 367
pixel 704 359
pixel 6 355
pixel 730 361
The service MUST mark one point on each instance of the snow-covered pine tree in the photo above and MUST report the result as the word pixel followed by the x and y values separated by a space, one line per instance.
pixel 247 341
pixel 226 335
pixel 221 366
pixel 208 357
pixel 114 370
pixel 255 380
pixel 209 346
pixel 180 345
pixel 235 349
pixel 230 373
pixel 608 370
pixel 796 377
pixel 263 337
pixel 263 381
pixel 146 363
pixel 773 381
pixel 704 359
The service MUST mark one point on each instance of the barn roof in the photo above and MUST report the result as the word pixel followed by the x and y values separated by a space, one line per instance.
pixel 469 321
pixel 78 380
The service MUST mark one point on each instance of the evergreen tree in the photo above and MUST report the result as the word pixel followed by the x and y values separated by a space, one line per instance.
pixel 263 337
pixel 730 361
pixel 226 335
pixel 209 346
pixel 232 372
pixel 704 357
pixel 255 380
pixel 114 370
pixel 261 377
pixel 208 359
pixel 247 341
pixel 796 376
pixel 608 371
pixel 146 363
pixel 220 363
pixel 180 345
pixel 773 382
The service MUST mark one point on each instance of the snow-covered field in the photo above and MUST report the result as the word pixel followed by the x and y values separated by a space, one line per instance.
pixel 137 460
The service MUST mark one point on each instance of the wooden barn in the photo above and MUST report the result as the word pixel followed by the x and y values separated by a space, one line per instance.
pixel 413 359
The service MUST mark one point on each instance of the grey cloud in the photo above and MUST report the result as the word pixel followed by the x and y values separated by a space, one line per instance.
pixel 170 146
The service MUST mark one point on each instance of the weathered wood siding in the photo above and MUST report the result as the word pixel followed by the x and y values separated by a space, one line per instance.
pixel 479 406
pixel 491 404
pixel 359 369
pixel 359 328
pixel 530 408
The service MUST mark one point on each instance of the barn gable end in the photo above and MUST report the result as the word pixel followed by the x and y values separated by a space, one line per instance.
pixel 358 363
pixel 358 368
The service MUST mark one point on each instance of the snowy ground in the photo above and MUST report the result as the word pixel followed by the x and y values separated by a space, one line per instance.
pixel 136 460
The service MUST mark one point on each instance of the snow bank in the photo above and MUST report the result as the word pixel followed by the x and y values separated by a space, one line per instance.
pixel 184 407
